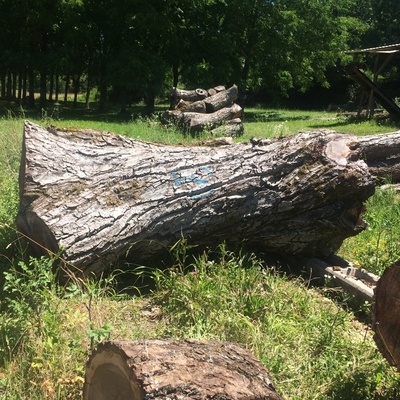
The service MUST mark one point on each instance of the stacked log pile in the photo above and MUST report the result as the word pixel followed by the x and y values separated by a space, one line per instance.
pixel 213 110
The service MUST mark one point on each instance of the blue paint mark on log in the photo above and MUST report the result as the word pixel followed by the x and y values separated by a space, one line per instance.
pixel 180 180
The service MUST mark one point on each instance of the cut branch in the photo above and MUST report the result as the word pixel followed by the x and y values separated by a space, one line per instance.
pixel 99 196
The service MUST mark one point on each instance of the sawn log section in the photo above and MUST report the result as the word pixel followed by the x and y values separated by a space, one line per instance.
pixel 99 196
pixel 175 369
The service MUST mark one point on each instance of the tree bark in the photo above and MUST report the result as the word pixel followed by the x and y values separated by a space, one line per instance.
pixel 97 196
pixel 173 369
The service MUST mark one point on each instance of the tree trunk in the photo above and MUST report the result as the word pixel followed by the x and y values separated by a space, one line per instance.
pixel 20 83
pixel 14 86
pixel 3 85
pixel 9 85
pixel 31 89
pixel 175 369
pixel 88 90
pixel 51 86
pixel 43 89
pixel 76 81
pixel 57 87
pixel 98 196
pixel 66 88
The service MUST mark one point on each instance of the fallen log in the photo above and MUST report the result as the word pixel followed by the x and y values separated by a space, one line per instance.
pixel 195 106
pixel 175 369
pixel 198 122
pixel 97 196
pixel 195 122
pixel 382 154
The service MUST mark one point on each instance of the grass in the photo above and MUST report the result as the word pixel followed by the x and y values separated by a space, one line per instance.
pixel 275 123
pixel 377 247
pixel 314 347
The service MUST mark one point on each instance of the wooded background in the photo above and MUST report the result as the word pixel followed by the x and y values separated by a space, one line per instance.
pixel 129 50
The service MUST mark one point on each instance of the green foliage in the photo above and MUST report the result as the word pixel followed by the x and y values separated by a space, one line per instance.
pixel 137 50
pixel 378 246
pixel 46 330
pixel 33 335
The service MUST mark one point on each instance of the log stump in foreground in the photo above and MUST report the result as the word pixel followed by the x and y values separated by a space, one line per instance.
pixel 172 369
pixel 97 196
pixel 385 315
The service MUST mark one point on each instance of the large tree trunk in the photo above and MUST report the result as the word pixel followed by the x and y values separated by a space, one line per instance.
pixel 172 369
pixel 98 196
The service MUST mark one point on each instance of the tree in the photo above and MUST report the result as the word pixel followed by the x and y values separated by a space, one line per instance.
pixel 386 22
pixel 308 37
pixel 133 49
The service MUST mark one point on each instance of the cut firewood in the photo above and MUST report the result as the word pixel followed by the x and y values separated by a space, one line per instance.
pixel 221 99
pixel 175 369
pixel 188 95
pixel 97 197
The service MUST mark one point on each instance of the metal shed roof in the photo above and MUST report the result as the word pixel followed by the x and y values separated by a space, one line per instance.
pixel 389 49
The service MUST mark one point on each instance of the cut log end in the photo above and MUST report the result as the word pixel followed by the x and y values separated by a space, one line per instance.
pixel 172 369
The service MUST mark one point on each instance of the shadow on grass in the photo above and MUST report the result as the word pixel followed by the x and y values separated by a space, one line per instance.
pixel 362 386
pixel 271 116
pixel 343 121
pixel 67 111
